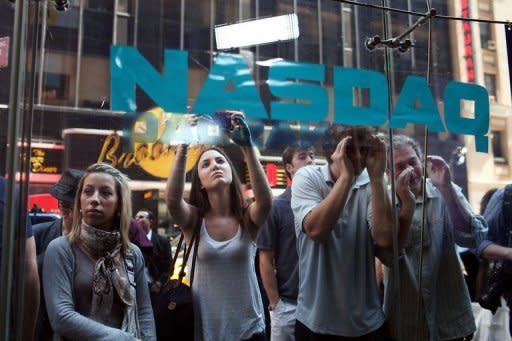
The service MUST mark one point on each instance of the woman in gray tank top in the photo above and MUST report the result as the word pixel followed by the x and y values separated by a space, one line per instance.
pixel 227 302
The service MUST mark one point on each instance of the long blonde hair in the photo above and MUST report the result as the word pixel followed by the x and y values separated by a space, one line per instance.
pixel 124 212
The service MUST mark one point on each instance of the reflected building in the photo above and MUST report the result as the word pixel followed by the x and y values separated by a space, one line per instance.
pixel 489 68
pixel 72 67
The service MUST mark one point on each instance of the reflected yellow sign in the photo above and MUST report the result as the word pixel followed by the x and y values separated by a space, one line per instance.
pixel 155 158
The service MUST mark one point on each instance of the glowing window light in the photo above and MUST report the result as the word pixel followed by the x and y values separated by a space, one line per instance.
pixel 257 32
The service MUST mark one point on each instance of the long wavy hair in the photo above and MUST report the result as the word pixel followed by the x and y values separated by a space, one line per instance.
pixel 199 197
pixel 124 204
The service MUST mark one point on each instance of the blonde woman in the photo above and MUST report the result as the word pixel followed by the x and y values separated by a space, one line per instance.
pixel 93 278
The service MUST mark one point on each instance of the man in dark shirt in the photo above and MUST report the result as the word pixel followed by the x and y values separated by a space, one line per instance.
pixel 31 283
pixel 277 249
pixel 497 246
pixel 160 262
pixel 64 191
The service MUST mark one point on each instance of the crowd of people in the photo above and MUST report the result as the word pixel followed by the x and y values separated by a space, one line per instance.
pixel 323 245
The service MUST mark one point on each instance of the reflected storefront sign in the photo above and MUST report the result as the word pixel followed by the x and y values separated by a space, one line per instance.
pixel 46 158
pixel 468 41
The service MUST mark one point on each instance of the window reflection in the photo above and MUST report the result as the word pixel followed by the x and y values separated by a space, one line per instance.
pixel 73 79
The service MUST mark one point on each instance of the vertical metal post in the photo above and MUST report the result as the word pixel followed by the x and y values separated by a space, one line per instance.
pixel 424 183
pixel 79 52
pixel 320 32
pixel 395 272
pixel 29 85
pixel 14 122
pixel 357 36
pixel 182 25
pixel 161 32
pixel 257 49
pixel 508 38
pixel 114 22
pixel 42 50
pixel 411 35
pixel 212 24
pixel 295 41
pixel 136 23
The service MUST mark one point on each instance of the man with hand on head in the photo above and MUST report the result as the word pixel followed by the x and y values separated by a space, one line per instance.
pixel 277 250
pixel 336 237
pixel 445 312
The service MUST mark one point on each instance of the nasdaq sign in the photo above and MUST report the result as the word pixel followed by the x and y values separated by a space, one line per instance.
pixel 298 93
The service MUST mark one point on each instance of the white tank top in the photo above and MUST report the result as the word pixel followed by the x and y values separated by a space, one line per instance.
pixel 227 301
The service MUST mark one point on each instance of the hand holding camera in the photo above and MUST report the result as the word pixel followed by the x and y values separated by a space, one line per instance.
pixel 235 126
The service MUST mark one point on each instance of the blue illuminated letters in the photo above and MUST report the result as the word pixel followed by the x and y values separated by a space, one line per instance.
pixel 360 97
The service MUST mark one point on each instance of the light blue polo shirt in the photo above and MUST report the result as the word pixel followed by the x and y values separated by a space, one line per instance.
pixel 337 286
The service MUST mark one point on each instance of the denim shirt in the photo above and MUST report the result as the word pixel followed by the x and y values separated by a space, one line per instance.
pixel 496 221
pixel 445 311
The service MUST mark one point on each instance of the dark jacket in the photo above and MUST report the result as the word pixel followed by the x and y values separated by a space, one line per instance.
pixel 44 233
pixel 161 259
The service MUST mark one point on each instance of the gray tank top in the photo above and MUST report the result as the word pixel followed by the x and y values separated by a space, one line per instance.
pixel 227 301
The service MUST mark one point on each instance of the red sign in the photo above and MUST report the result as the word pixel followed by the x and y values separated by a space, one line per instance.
pixel 45 202
pixel 468 46
pixel 4 51
pixel 271 170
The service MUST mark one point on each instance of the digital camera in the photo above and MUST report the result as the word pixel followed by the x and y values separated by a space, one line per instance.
pixel 223 119
pixel 499 283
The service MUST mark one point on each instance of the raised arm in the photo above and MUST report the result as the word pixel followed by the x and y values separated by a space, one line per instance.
pixel 320 221
pixel 259 209
pixel 470 228
pixel 407 204
pixel 183 214
pixel 440 175
pixel 381 221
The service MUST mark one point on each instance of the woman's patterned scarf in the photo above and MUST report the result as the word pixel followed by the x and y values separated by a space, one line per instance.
pixel 109 270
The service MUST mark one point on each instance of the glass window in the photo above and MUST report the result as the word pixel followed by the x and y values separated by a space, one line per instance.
pixel 125 6
pixel 84 113
pixel 56 87
pixel 486 36
pixel 171 21
pixel 97 32
pixel 102 5
pixel 490 84
pixel 60 58
pixel 499 146
pixel 125 30
pixel 307 12
pixel 332 33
